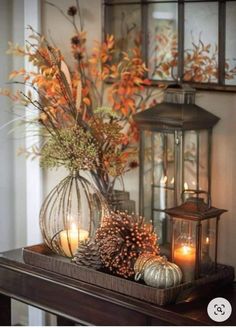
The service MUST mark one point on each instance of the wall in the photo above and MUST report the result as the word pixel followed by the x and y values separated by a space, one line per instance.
pixel 221 104
pixel 223 167
pixel 6 142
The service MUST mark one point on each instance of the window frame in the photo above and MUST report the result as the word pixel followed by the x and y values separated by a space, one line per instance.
pixel 218 86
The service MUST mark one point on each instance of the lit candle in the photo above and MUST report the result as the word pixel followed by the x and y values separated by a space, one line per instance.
pixel 70 239
pixel 162 207
pixel 185 186
pixel 185 257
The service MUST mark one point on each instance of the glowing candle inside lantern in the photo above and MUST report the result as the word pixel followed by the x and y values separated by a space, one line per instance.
pixel 185 257
pixel 71 238
pixel 162 206
pixel 185 186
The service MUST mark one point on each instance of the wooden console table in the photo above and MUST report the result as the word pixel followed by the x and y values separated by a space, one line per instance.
pixel 77 302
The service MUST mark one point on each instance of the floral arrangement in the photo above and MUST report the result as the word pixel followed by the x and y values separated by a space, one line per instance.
pixel 86 123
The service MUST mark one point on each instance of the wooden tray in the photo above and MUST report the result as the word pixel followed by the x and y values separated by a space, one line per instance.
pixel 41 256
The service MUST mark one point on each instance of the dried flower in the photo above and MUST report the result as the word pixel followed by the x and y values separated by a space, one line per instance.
pixel 73 148
pixel 72 11
pixel 75 40
pixel 133 164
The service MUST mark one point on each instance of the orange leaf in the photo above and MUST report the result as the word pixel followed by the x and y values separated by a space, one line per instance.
pixel 87 101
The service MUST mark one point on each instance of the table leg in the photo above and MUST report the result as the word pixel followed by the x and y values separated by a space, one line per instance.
pixel 64 322
pixel 5 310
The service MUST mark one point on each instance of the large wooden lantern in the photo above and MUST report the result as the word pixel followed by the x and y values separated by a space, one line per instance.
pixel 175 154
pixel 194 236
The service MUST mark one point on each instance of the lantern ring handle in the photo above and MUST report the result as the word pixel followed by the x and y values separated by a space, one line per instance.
pixel 197 192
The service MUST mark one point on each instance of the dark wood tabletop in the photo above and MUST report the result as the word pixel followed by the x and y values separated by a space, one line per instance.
pixel 86 304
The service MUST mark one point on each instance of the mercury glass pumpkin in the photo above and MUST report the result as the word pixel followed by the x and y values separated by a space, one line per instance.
pixel 70 214
pixel 162 274
pixel 143 261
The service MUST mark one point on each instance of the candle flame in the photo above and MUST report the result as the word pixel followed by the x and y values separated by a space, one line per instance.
pixel 207 240
pixel 163 180
pixel 73 227
pixel 186 250
pixel 185 185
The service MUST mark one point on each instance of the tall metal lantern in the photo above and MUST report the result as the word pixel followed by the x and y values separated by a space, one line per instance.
pixel 175 154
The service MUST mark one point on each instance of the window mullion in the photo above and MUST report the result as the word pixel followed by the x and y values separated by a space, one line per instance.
pixel 144 25
pixel 221 50
pixel 180 40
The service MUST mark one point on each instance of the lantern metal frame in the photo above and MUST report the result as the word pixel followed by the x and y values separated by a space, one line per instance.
pixel 194 209
pixel 176 116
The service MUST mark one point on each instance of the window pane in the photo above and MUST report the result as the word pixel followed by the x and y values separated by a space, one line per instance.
pixel 124 22
pixel 201 42
pixel 162 48
pixel 230 66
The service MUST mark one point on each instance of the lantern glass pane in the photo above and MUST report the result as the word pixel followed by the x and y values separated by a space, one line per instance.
pixel 190 160
pixel 161 224
pixel 163 147
pixel 159 150
pixel 147 173
pixel 208 241
pixel 163 42
pixel 184 247
pixel 163 198
pixel 203 160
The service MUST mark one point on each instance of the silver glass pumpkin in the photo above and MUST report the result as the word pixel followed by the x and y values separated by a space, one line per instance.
pixel 143 261
pixel 162 274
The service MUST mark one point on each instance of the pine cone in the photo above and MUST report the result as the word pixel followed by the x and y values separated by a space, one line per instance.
pixel 87 255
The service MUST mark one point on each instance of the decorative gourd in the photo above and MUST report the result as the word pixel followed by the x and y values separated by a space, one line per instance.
pixel 143 261
pixel 162 274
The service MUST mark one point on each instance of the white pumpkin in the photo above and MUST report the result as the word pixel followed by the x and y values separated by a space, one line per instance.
pixel 162 274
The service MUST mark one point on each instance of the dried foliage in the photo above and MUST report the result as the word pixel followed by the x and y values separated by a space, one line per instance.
pixel 200 61
pixel 122 239
pixel 68 148
pixel 87 124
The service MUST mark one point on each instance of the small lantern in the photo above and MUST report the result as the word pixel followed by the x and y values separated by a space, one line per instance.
pixel 194 229
pixel 71 214
pixel 175 154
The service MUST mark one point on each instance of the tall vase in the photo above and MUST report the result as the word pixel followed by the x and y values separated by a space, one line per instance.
pixel 70 214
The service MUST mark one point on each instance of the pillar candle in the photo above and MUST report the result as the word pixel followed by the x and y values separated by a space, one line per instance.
pixel 185 258
pixel 72 237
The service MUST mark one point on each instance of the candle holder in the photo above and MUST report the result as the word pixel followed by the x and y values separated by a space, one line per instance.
pixel 70 214
pixel 194 232
pixel 175 154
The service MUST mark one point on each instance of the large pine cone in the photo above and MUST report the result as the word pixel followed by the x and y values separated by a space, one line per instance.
pixel 87 255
